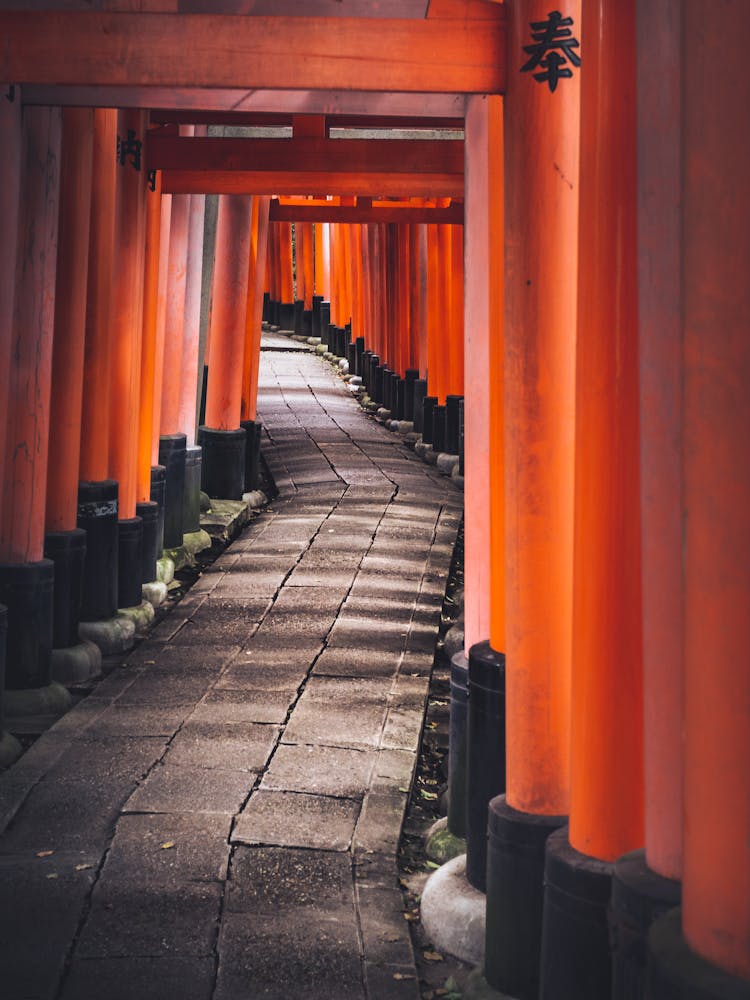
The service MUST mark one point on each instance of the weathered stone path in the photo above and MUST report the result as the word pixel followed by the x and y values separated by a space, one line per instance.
pixel 219 819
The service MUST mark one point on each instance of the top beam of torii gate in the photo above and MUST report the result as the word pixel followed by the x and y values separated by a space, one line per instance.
pixel 458 48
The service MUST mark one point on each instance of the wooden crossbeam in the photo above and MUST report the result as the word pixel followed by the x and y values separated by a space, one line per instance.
pixel 101 48
pixel 382 185
pixel 322 211
pixel 398 156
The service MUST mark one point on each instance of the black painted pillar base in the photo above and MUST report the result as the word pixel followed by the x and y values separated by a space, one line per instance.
pixel 67 550
pixel 266 313
pixel 452 429
pixel 172 449
pixel 148 511
pixel 223 472
pixel 307 325
pixel 273 313
pixel 515 897
pixel 252 454
pixel 325 321
pixel 419 394
pixel 286 316
pixel 429 404
pixel 438 429
pixel 299 308
pixel 130 562
pixel 485 740
pixel 575 962
pixel 158 494
pixel 97 516
pixel 191 497
pixel 639 896
pixel 457 744
pixel 26 590
pixel 315 318
pixel 676 972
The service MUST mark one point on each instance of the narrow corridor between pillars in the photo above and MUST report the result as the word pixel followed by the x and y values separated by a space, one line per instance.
pixel 220 817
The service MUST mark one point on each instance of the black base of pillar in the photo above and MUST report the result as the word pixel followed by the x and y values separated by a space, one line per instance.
pixel 148 511
pixel 286 315
pixel 515 897
pixel 485 741
pixel 452 419
pixel 676 972
pixel 351 357
pixel 417 414
pixel 438 429
pixel 325 320
pixel 191 497
pixel 252 454
pixel 378 382
pixel 130 568
pixel 428 410
pixel 67 550
pixel 461 437
pixel 307 327
pixel 172 457
pixel 3 640
pixel 26 591
pixel 575 962
pixel 158 494
pixel 299 308
pixel 457 744
pixel 359 350
pixel 266 314
pixel 315 319
pixel 97 515
pixel 273 313
pixel 639 896
pixel 223 474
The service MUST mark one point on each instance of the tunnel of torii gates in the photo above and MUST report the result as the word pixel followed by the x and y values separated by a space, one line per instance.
pixel 568 252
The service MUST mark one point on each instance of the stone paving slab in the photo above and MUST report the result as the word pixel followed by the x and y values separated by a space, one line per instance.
pixel 220 817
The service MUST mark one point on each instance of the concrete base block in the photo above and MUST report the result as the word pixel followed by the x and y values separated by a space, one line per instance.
pixel 421 448
pixel 355 380
pixel 111 635
pixel 343 365
pixel 51 700
pixel 255 499
pixel 165 570
pixel 313 341
pixel 205 502
pixel 75 665
pixel 413 438
pixel 10 750
pixel 141 615
pixel 382 414
pixel 453 913
pixel 196 541
pixel 321 349
pixel 457 479
pixel 441 845
pixel 155 592
pixel 372 407
pixel 405 427
pixel 447 463
pixel 476 987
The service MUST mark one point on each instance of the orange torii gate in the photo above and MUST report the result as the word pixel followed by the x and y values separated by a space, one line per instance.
pixel 451 58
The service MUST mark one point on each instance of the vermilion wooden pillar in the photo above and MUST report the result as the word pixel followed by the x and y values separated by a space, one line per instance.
pixel 286 280
pixel 222 439
pixel 26 578
pixel 711 957
pixel 606 803
pixel 98 495
pixel 64 543
pixel 126 320
pixel 256 269
pixel 455 311
pixel 541 222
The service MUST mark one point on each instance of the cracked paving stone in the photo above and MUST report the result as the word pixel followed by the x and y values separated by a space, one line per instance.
pixel 320 770
pixel 243 706
pixel 292 819
pixel 343 661
pixel 244 746
pixel 172 788
pixel 339 711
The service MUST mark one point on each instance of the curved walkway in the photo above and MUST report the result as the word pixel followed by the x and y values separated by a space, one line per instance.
pixel 220 817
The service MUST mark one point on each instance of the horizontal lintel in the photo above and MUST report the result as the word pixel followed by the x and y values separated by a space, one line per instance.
pixel 328 212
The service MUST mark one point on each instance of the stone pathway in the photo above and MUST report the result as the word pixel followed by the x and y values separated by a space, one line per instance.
pixel 219 819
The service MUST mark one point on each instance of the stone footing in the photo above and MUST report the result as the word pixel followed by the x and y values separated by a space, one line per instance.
pixel 112 635
pixel 76 665
pixel 453 913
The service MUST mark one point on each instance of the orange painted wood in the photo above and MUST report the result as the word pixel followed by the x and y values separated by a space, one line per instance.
pixel 358 301
pixel 382 212
pixel 305 275
pixel 309 126
pixel 149 342
pixel 423 302
pixel 716 310
pixel 258 254
pixel 606 798
pixel 175 315
pixel 404 293
pixel 70 319
pixel 435 352
pixel 126 319
pixel 308 153
pixel 415 296
pixel 385 183
pixel 188 406
pixel 484 516
pixel 286 289
pixel 455 310
pixel 660 346
pixel 167 50
pixel 541 227
pixel 28 401
pixel 161 321
pixel 318 261
pixel 95 413
pixel 226 349
pixel 10 188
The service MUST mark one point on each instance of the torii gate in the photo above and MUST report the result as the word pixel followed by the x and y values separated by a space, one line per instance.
pixel 448 59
